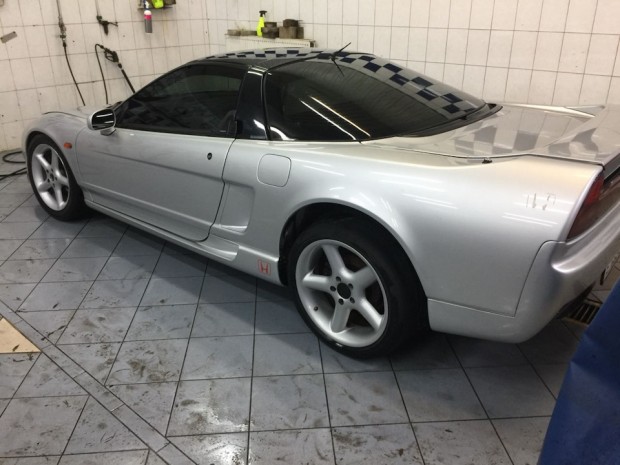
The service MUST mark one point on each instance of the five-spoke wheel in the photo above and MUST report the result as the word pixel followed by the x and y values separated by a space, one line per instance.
pixel 52 180
pixel 354 287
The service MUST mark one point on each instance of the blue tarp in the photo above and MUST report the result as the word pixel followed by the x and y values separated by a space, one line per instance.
pixel 585 426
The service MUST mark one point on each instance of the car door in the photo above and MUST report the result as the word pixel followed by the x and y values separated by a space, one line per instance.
pixel 163 164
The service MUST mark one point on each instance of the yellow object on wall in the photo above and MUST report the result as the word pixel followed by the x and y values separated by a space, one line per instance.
pixel 158 3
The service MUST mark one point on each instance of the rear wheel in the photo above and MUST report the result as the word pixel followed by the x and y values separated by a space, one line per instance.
pixel 355 288
pixel 52 180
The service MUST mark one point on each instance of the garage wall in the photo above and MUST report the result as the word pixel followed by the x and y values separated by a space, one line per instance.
pixel 562 52
pixel 35 77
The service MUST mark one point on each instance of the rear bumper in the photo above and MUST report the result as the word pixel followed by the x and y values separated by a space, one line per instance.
pixel 560 274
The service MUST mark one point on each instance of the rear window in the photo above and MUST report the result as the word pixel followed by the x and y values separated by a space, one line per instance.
pixel 358 98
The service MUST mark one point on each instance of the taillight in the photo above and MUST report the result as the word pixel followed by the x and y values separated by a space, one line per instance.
pixel 601 197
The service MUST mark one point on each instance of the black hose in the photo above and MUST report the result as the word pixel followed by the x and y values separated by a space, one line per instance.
pixel 133 91
pixel 105 87
pixel 6 159
pixel 64 46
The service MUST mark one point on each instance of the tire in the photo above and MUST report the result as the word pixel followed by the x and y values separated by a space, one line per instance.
pixel 355 288
pixel 52 181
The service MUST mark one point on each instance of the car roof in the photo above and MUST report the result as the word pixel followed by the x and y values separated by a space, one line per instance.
pixel 270 57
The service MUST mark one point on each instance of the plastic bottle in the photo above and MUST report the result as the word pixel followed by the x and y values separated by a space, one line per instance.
pixel 261 23
pixel 148 19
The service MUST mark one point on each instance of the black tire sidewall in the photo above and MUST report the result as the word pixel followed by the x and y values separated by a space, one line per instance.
pixel 397 277
pixel 75 205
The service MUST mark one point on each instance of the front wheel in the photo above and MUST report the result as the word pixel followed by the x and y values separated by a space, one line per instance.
pixel 52 180
pixel 355 288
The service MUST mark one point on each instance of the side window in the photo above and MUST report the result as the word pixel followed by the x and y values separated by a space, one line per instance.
pixel 196 99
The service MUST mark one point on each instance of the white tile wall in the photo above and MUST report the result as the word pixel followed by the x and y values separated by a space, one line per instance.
pixel 563 52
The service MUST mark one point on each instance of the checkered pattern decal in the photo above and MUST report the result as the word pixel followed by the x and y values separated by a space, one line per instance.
pixel 433 94
pixel 270 53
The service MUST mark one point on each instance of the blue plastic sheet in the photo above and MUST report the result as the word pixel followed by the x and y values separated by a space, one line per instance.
pixel 585 426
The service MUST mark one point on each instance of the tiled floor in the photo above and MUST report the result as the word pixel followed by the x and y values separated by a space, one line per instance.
pixel 153 355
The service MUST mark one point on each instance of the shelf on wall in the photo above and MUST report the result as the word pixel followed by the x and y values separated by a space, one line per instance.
pixel 236 43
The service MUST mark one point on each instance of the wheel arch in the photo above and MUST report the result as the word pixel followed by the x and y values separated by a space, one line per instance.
pixel 310 214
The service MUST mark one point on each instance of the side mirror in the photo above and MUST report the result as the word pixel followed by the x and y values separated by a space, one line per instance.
pixel 102 120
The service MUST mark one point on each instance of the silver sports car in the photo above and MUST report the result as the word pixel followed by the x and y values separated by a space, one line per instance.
pixel 387 201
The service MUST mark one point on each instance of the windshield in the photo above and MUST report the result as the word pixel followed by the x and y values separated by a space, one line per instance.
pixel 359 97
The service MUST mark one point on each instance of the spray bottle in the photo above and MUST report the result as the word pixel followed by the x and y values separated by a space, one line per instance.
pixel 261 23
pixel 148 17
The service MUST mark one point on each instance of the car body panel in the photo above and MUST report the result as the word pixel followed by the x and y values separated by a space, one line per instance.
pixel 150 176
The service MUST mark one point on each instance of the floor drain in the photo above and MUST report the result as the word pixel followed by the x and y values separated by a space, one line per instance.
pixel 586 312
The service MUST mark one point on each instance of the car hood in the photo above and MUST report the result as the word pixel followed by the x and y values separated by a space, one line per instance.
pixel 529 130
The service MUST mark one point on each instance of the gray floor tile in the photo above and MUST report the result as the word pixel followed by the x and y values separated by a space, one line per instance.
pixel 98 431
pixel 42 460
pixel 211 406
pixel 90 247
pixel 55 229
pixel 231 448
pixel 376 444
pixel 19 185
pixel 286 354
pixel 335 362
pixel 433 351
pixel 4 212
pixel 266 291
pixel 234 319
pixel 133 457
pixel 26 213
pixel 13 295
pixel 554 344
pixel 478 353
pixel 162 322
pixel 11 200
pixel 132 267
pixel 56 296
pixel 294 446
pixel 575 327
pixel 552 375
pixel 170 291
pixel 13 370
pixel 75 269
pixel 102 226
pixel 8 246
pixel 439 395
pixel 523 438
pixel 460 443
pixel 154 459
pixel 3 404
pixel 47 380
pixel 98 325
pixel 136 242
pixel 148 362
pixel 279 317
pixel 40 248
pixel 95 359
pixel 18 230
pixel 107 294
pixel 226 289
pixel 24 271
pixel 288 402
pixel 178 266
pixel 152 401
pixel 50 323
pixel 218 357
pixel 39 426
pixel 364 399
pixel 511 391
